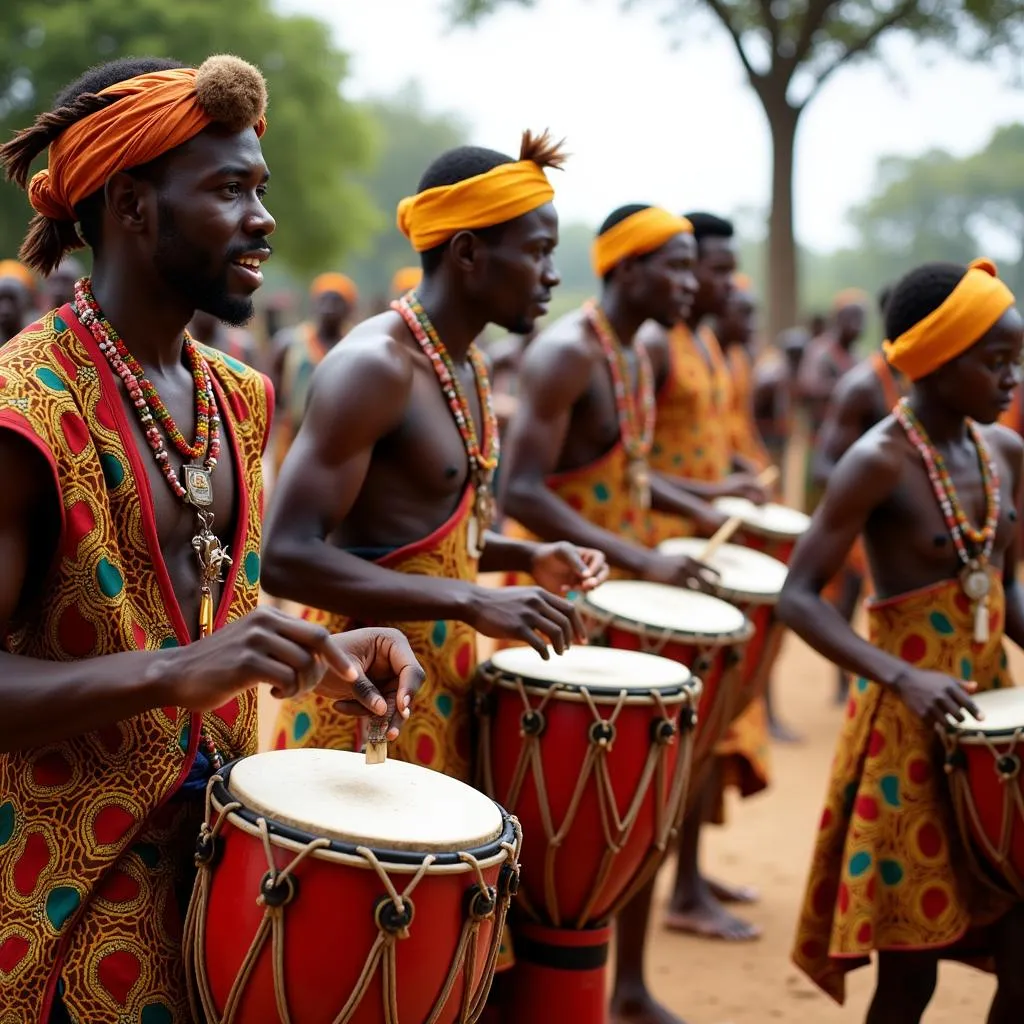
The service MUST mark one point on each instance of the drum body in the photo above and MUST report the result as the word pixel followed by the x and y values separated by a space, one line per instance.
pixel 983 765
pixel 752 581
pixel 773 529
pixel 326 895
pixel 592 749
pixel 704 633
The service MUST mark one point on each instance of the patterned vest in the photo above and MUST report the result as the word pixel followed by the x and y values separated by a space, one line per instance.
pixel 86 907
pixel 691 435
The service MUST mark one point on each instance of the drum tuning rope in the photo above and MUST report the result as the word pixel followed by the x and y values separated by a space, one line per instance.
pixel 483 904
pixel 1007 767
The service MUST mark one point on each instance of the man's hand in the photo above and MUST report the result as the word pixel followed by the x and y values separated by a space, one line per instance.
pixel 934 695
pixel 679 571
pixel 380 664
pixel 563 567
pixel 530 614
pixel 745 485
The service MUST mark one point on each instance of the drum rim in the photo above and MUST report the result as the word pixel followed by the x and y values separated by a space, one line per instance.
pixel 493 851
pixel 740 636
pixel 760 598
pixel 767 531
pixel 686 692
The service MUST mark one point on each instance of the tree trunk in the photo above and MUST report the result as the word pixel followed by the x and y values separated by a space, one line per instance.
pixel 783 284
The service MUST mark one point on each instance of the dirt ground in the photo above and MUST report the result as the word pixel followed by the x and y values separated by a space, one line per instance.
pixel 768 843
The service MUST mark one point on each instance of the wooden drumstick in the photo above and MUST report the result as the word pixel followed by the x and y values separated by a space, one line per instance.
pixel 721 536
pixel 377 735
pixel 766 478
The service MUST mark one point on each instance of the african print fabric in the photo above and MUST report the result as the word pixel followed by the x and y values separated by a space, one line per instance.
pixel 437 734
pixel 889 870
pixel 90 847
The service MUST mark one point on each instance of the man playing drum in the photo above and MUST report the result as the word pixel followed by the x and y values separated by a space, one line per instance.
pixel 576 460
pixel 694 447
pixel 934 489
pixel 116 705
pixel 382 510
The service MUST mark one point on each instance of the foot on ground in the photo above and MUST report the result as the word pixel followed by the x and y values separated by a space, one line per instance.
pixel 640 1007
pixel 725 893
pixel 710 920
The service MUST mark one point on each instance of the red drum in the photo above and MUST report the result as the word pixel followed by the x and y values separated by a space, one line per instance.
pixel 592 750
pixel 752 581
pixel 335 892
pixel 773 529
pixel 704 633
pixel 983 764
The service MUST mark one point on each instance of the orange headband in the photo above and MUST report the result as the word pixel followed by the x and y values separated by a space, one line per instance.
pixel 405 280
pixel 976 303
pixel 641 232
pixel 742 282
pixel 19 272
pixel 850 297
pixel 154 113
pixel 340 283
pixel 503 193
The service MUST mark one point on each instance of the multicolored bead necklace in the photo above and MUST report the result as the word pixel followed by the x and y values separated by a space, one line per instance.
pixel 974 578
pixel 197 489
pixel 483 457
pixel 635 411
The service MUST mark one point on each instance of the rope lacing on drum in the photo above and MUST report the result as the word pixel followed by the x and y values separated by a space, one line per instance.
pixel 617 829
pixel 280 882
pixel 1007 768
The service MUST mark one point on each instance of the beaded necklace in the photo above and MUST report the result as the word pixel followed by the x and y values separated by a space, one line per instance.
pixel 152 414
pixel 483 458
pixel 635 411
pixel 974 577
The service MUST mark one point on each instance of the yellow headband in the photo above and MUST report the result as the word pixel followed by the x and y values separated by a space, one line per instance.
pixel 976 303
pixel 332 282
pixel 405 279
pixel 503 193
pixel 640 233
pixel 19 272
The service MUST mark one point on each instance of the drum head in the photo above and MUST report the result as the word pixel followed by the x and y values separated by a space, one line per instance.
pixel 391 806
pixel 1003 711
pixel 593 668
pixel 777 520
pixel 740 570
pixel 684 612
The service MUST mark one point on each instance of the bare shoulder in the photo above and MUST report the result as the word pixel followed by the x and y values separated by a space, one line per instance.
pixel 1008 443
pixel 878 457
pixel 566 344
pixel 374 360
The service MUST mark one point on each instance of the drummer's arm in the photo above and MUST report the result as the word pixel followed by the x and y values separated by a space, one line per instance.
pixel 357 398
pixel 1014 627
pixel 552 381
pixel 679 501
pixel 864 478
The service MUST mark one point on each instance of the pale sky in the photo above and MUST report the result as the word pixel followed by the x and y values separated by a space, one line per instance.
pixel 649 123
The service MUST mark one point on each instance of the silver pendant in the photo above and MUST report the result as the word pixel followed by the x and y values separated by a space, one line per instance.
pixel 198 486
pixel 975 582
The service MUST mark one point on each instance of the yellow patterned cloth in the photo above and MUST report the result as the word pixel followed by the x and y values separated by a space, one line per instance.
pixel 889 871
pixel 744 437
pixel 437 734
pixel 600 493
pixel 691 438
pixel 92 846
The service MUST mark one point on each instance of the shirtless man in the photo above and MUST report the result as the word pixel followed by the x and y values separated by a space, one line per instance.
pixel 864 396
pixel 382 507
pixel 575 466
pixel 889 875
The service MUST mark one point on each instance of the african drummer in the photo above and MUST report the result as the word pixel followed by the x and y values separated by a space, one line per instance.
pixel 129 530
pixel 934 490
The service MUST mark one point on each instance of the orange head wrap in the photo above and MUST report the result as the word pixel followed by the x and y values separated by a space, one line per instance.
pixel 154 113
pixel 640 233
pixel 850 297
pixel 429 218
pixel 742 282
pixel 19 272
pixel 339 283
pixel 975 304
pixel 405 279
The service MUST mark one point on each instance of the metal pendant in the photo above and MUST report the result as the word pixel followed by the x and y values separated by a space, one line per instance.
pixel 639 478
pixel 974 581
pixel 198 486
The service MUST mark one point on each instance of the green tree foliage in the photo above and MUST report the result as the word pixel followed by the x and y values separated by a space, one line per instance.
pixel 408 138
pixel 316 138
pixel 790 49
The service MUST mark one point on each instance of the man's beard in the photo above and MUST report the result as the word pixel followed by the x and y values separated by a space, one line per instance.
pixel 188 270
